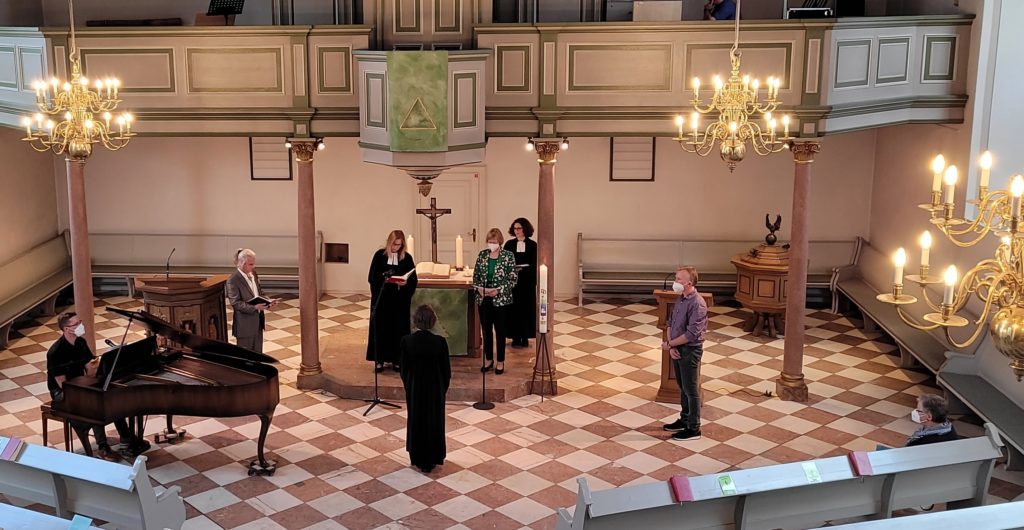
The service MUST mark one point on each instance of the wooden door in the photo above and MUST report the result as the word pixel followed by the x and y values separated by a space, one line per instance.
pixel 460 189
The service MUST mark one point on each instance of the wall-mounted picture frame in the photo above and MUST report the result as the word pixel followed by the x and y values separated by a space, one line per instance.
pixel 631 159
pixel 269 159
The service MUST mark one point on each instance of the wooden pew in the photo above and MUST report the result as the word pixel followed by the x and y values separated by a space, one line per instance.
pixel 15 518
pixel 76 484
pixel 984 385
pixel 870 276
pixel 640 265
pixel 792 496
pixel 31 280
pixel 991 517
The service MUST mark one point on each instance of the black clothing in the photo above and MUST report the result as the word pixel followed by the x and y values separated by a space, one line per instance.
pixel 493 322
pixel 426 374
pixel 934 438
pixel 391 321
pixel 521 321
pixel 69 360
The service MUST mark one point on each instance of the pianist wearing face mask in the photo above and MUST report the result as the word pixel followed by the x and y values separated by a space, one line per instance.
pixel 70 357
pixel 494 277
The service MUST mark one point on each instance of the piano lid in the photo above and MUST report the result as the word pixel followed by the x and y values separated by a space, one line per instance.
pixel 159 326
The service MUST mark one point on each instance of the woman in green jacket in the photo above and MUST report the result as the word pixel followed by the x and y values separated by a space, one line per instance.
pixel 494 276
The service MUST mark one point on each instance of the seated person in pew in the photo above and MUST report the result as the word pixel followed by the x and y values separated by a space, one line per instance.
pixel 70 357
pixel 931 413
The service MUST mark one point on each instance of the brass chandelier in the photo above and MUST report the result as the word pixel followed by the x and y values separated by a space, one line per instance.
pixel 736 102
pixel 998 281
pixel 72 116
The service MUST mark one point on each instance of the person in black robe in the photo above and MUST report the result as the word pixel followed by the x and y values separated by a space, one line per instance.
pixel 389 300
pixel 522 317
pixel 426 374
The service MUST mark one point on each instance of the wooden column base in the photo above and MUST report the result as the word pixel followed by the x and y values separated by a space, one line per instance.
pixel 791 388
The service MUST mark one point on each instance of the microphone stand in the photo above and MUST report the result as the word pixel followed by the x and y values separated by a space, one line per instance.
pixel 376 355
pixel 483 404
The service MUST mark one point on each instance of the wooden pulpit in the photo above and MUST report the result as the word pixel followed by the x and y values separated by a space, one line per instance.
pixel 668 390
pixel 193 303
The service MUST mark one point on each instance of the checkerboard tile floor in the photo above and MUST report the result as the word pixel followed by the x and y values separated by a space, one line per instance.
pixel 510 467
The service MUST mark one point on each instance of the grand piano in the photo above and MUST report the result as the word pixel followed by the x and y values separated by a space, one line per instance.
pixel 173 372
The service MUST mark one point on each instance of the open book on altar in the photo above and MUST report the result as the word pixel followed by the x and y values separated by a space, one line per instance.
pixel 429 269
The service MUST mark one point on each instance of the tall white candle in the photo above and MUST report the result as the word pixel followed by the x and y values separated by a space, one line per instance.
pixel 543 283
pixel 950 180
pixel 1016 190
pixel 938 164
pixel 926 244
pixel 899 259
pixel 950 278
pixel 458 251
pixel 409 246
pixel 986 166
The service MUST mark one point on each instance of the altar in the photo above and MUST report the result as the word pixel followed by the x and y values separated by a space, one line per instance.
pixel 453 300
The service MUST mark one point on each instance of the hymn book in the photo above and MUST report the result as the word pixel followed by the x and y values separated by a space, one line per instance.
pixel 257 300
pixel 400 278
pixel 429 269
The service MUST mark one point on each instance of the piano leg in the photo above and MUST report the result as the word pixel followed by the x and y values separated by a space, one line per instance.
pixel 170 435
pixel 262 466
pixel 82 430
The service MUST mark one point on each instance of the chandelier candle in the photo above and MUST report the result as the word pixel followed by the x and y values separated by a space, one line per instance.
pixel 899 259
pixel 938 165
pixel 985 162
pixel 926 245
pixel 950 279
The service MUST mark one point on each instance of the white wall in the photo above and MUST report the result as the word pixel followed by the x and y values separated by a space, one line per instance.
pixel 191 185
pixel 55 12
pixel 28 204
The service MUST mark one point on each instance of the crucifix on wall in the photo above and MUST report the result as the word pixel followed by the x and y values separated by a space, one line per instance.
pixel 433 213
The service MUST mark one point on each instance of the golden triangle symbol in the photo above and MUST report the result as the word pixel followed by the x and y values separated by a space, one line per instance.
pixel 417 118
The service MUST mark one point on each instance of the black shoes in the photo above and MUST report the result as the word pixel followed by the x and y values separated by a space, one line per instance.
pixel 675 426
pixel 379 368
pixel 487 368
pixel 520 343
pixel 501 370
pixel 426 469
pixel 396 367
pixel 687 434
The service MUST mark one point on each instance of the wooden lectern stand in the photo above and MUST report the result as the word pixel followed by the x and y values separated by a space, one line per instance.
pixel 668 391
pixel 193 303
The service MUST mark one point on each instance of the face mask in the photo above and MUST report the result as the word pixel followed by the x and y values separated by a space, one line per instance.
pixel 493 247
pixel 678 287
pixel 80 330
pixel 915 416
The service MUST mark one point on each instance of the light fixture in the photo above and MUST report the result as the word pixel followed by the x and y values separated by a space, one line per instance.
pixel 736 102
pixel 72 116
pixel 565 145
pixel 530 145
pixel 997 281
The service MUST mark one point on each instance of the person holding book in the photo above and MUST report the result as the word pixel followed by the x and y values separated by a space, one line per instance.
pixel 522 314
pixel 426 374
pixel 392 281
pixel 494 277
pixel 70 357
pixel 245 295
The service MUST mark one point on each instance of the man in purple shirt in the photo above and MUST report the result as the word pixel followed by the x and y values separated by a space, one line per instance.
pixel 686 328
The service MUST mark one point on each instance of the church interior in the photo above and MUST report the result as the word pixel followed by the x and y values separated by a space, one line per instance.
pixel 309 130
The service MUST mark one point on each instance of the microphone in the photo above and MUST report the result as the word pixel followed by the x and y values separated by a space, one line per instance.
pixel 668 278
pixel 167 267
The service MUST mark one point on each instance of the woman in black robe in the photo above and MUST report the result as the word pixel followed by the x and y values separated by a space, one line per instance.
pixel 426 373
pixel 389 300
pixel 522 317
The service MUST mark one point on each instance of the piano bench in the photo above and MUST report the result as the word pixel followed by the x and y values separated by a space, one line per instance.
pixel 46 413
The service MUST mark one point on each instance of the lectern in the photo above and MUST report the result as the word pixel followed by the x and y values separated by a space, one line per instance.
pixel 668 390
pixel 193 303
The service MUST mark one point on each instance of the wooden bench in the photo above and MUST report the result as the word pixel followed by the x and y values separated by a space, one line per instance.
pixel 870 276
pixel 619 265
pixel 990 517
pixel 76 484
pixel 983 384
pixel 15 518
pixel 122 257
pixel 33 280
pixel 851 486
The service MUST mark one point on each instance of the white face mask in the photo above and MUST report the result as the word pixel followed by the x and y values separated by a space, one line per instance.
pixel 80 330
pixel 493 247
pixel 678 287
pixel 915 416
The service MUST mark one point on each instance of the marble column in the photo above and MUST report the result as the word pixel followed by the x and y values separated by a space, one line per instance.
pixel 790 386
pixel 544 365
pixel 310 371
pixel 81 260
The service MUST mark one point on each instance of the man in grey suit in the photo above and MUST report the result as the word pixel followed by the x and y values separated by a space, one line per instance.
pixel 242 286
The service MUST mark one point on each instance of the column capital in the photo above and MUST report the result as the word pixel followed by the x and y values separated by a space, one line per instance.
pixel 305 148
pixel 548 148
pixel 804 150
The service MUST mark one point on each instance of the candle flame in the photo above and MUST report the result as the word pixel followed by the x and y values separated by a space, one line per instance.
pixel 951 176
pixel 938 164
pixel 986 160
pixel 926 239
pixel 900 257
pixel 950 276
pixel 1017 186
